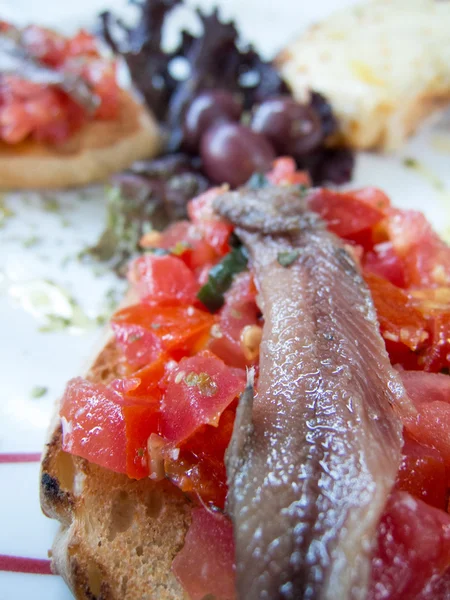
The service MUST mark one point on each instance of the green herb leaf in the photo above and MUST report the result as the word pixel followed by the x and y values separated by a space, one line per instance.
pixel 38 391
pixel 33 240
pixel 51 204
pixel 287 258
pixel 5 211
pixel 258 181
pixel 411 163
pixel 221 277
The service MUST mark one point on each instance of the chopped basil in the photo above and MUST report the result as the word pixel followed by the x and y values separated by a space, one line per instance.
pixel 157 251
pixel 220 278
pixel 38 391
pixel 287 258
pixel 258 181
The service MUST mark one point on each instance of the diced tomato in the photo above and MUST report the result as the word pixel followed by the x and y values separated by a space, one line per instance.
pixel 82 44
pixel 205 565
pixel 438 588
pixel 46 113
pixel 200 469
pixel 437 355
pixel 199 237
pixel 45 45
pixel 148 377
pixel 423 473
pixel 349 215
pixel 187 242
pixel 385 262
pixel 145 331
pixel 141 420
pixel 400 321
pixel 200 208
pixel 93 424
pixel 217 235
pixel 413 547
pixel 180 400
pixel 199 391
pixel 108 428
pixel 426 257
pixel 373 197
pixel 176 234
pixel 124 386
pixel 240 310
pixel 430 393
pixel 423 387
pixel 63 117
pixel 284 172
pixel 102 77
pixel 163 280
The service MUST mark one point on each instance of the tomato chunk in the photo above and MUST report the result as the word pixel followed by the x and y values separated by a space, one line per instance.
pixel 423 473
pixel 144 331
pixel 426 257
pixel 46 113
pixel 437 355
pixel 141 420
pixel 348 215
pixel 93 424
pixel 199 470
pixel 400 321
pixel 430 393
pixel 239 311
pixel 209 543
pixel 198 392
pixel 201 209
pixel 284 172
pixel 385 262
pixel 163 280
pixel 413 548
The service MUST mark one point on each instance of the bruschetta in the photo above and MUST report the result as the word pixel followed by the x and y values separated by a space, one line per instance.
pixel 173 479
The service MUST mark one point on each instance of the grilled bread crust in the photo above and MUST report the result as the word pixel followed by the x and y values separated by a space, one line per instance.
pixel 91 155
pixel 118 536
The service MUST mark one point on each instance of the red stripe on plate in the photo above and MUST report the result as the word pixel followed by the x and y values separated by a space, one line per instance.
pixel 22 564
pixel 20 457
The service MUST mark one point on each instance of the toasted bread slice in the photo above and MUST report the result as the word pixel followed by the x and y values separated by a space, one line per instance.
pixel 98 150
pixel 118 536
pixel 384 66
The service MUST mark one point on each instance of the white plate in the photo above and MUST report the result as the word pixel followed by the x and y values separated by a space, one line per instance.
pixel 38 244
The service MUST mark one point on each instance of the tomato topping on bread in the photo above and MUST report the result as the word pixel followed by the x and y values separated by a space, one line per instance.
pixel 60 101
pixel 180 357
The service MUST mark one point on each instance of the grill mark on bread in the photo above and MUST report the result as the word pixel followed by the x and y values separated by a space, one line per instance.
pixel 51 489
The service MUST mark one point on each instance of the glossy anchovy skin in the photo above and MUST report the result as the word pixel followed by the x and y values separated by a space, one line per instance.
pixel 314 455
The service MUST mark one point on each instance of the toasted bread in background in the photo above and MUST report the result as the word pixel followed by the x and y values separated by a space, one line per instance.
pixel 384 65
pixel 91 155
pixel 118 537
